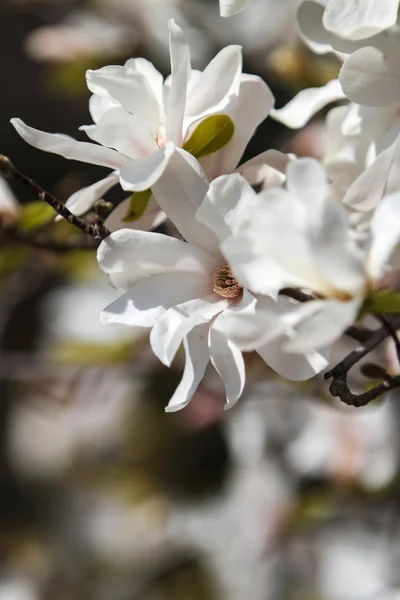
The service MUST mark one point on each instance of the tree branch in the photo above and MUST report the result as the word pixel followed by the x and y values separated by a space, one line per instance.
pixel 8 170
pixel 339 387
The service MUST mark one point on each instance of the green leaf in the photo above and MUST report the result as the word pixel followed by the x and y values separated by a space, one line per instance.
pixel 36 215
pixel 137 206
pixel 383 301
pixel 212 134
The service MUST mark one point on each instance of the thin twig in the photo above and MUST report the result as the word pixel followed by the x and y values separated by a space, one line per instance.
pixel 392 332
pixel 8 170
pixel 339 387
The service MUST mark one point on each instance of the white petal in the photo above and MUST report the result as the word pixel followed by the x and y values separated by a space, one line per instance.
pixel 371 78
pixel 226 205
pixel 268 168
pixel 380 178
pixel 142 173
pixel 307 180
pixel 123 131
pixel 81 201
pixel 152 218
pixel 325 326
pixel 253 105
pixel 128 88
pixel 170 329
pixel 307 103
pixel 180 76
pixel 228 361
pixel 294 367
pixel 231 7
pixel 359 19
pixel 179 193
pixel 150 298
pixel 99 105
pixel 154 77
pixel 128 255
pixel 219 81
pixel 385 231
pixel 68 147
pixel 197 358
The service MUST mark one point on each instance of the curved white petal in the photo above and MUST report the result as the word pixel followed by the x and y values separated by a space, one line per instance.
pixel 197 358
pixel 359 19
pixel 154 77
pixel 295 367
pixel 130 89
pixel 231 7
pixel 325 326
pixel 217 84
pixel 150 298
pixel 99 105
pixel 123 131
pixel 226 205
pixel 371 77
pixel 179 81
pixel 140 174
pixel 307 103
pixel 179 193
pixel 128 255
pixel 385 231
pixel 253 105
pixel 380 178
pixel 170 329
pixel 228 361
pixel 268 168
pixel 68 147
pixel 81 201
pixel 152 217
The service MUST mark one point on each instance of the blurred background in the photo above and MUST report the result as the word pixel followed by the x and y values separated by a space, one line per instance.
pixel 103 496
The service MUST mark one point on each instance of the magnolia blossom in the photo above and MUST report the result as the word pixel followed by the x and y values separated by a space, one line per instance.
pixel 139 119
pixel 359 19
pixel 182 289
pixel 299 238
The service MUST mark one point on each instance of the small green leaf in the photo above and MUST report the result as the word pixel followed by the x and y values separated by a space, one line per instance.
pixel 36 215
pixel 212 134
pixel 137 206
pixel 383 301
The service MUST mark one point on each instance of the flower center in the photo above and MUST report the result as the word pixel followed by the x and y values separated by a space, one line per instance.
pixel 160 140
pixel 224 283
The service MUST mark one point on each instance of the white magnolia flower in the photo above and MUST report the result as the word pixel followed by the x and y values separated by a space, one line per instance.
pixel 182 289
pixel 231 7
pixel 139 119
pixel 299 238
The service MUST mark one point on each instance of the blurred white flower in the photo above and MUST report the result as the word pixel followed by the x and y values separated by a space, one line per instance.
pixel 82 35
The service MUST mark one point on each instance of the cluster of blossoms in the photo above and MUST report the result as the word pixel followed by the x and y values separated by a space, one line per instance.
pixel 327 230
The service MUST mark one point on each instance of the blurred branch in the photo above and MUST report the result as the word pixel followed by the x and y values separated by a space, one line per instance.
pixel 339 387
pixel 12 234
pixel 97 230
pixel 392 332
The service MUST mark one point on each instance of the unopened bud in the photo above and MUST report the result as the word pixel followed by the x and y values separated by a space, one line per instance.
pixel 6 167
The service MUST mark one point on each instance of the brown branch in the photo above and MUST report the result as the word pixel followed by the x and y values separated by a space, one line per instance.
pixel 8 170
pixel 339 387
